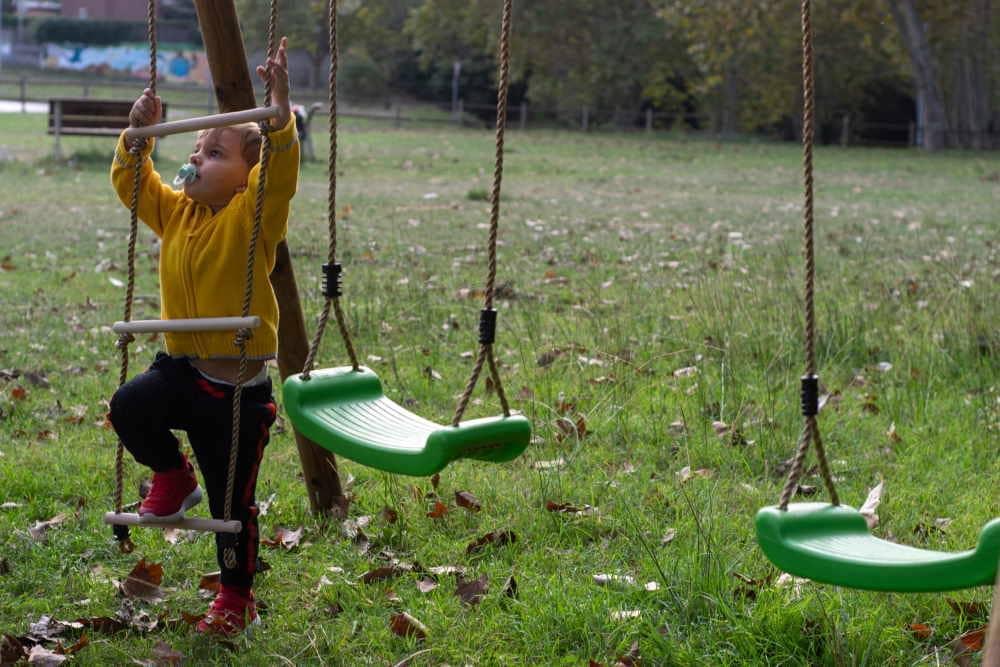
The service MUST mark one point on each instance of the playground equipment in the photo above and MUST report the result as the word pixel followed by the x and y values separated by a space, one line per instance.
pixel 241 325
pixel 345 410
pixel 831 543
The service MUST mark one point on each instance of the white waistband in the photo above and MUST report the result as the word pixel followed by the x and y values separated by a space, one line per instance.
pixel 260 378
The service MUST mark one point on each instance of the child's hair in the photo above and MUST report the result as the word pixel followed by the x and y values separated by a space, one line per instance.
pixel 250 140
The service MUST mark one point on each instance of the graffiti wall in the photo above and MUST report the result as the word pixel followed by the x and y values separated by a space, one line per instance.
pixel 173 64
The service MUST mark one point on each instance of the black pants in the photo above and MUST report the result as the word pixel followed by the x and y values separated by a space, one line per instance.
pixel 172 394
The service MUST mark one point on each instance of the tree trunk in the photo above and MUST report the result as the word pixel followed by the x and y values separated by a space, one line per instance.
pixel 730 100
pixel 931 119
pixel 973 102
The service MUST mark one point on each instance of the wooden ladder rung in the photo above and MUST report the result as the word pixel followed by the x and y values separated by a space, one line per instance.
pixel 206 525
pixel 202 123
pixel 187 325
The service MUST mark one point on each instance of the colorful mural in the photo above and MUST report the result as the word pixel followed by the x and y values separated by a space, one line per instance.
pixel 173 64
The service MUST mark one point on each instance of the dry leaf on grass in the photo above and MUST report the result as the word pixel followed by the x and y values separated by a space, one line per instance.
pixel 567 508
pixel 285 538
pixel 426 584
pixel 143 582
pixel 405 625
pixel 39 655
pixel 438 511
pixel 686 473
pixel 39 531
pixel 384 572
pixel 496 538
pixel 468 501
pixel 549 465
pixel 870 508
pixel 471 592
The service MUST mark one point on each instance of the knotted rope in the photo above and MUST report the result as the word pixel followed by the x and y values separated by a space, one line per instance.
pixel 810 431
pixel 138 159
pixel 486 353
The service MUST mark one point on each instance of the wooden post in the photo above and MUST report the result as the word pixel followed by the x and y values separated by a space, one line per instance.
pixel 649 120
pixel 233 92
pixel 57 128
pixel 585 119
pixel 397 118
pixel 22 83
pixel 991 652
pixel 845 130
pixel 459 111
pixel 911 139
pixel 524 115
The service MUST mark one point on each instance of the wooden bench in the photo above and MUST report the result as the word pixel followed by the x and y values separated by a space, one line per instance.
pixel 82 116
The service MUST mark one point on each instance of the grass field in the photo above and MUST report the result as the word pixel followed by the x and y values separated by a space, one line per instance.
pixel 624 260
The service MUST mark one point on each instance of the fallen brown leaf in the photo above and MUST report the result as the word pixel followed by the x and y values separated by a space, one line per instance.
pixel 405 625
pixel 285 538
pixel 210 582
pixel 41 528
pixel 471 592
pixel 496 538
pixel 438 511
pixel 383 573
pixel 143 582
pixel 39 655
pixel 468 501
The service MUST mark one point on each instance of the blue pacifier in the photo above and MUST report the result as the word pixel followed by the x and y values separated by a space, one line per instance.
pixel 185 174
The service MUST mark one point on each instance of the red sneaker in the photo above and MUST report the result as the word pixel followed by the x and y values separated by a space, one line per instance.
pixel 172 493
pixel 230 613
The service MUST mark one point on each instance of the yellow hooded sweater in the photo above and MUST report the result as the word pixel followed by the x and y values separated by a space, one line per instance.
pixel 203 256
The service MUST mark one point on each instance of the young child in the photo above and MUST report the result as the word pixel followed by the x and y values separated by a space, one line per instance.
pixel 205 232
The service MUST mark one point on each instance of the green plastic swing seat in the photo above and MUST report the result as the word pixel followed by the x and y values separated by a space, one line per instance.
pixel 346 412
pixel 832 544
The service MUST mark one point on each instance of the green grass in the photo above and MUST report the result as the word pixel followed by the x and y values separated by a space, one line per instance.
pixel 635 258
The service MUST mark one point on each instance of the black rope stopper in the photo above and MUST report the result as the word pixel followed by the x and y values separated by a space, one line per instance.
pixel 487 326
pixel 332 279
pixel 809 393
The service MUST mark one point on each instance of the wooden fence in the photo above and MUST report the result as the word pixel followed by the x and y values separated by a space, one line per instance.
pixel 195 100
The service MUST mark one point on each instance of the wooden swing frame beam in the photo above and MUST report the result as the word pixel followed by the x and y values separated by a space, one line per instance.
pixel 227 61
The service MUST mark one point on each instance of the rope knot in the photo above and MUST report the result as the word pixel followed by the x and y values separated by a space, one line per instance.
pixel 243 337
pixel 124 340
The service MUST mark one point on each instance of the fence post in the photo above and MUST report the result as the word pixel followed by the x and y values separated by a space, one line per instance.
pixel 911 138
pixel 649 120
pixel 524 114
pixel 397 118
pixel 22 83
pixel 845 130
pixel 585 119
pixel 57 129
pixel 459 111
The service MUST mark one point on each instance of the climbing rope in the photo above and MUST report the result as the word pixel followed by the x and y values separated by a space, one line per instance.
pixel 243 335
pixel 125 543
pixel 331 270
pixel 488 316
pixel 810 381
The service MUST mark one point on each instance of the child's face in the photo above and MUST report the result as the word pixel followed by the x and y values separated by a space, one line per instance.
pixel 222 171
